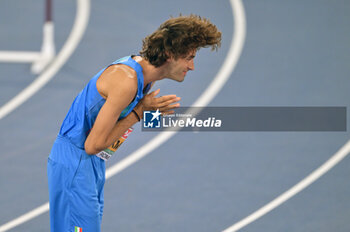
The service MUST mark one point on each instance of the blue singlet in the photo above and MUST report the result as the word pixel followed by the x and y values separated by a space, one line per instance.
pixel 76 179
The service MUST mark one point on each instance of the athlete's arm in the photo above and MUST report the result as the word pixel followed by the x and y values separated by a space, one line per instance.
pixel 118 84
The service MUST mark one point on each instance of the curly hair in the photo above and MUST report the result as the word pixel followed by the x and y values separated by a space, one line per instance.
pixel 178 36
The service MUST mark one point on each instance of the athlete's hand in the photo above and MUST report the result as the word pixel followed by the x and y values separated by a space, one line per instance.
pixel 165 104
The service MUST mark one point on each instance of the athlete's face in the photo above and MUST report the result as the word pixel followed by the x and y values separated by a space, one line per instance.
pixel 178 68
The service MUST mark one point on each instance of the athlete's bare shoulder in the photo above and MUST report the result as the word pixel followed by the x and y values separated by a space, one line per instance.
pixel 117 77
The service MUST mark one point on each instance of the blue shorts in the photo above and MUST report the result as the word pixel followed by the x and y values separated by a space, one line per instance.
pixel 76 182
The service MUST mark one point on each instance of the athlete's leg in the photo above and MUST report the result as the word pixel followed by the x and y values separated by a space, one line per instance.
pixel 62 164
pixel 75 188
pixel 86 192
pixel 58 195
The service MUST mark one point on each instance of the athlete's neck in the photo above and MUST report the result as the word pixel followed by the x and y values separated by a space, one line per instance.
pixel 149 71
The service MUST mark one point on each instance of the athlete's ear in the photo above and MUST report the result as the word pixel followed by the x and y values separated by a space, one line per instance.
pixel 170 56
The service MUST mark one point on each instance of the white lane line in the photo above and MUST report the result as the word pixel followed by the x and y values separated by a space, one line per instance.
pixel 78 29
pixel 324 168
pixel 80 23
pixel 233 55
pixel 218 82
pixel 25 217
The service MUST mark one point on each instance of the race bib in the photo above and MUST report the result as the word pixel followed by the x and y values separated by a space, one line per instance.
pixel 108 152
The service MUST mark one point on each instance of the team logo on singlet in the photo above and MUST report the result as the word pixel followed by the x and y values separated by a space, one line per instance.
pixel 152 119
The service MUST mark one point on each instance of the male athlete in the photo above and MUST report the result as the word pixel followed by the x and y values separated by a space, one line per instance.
pixel 112 102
